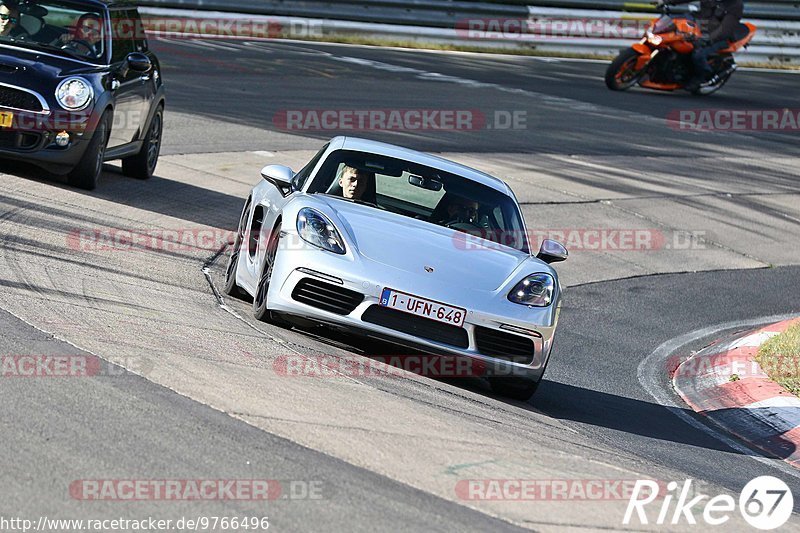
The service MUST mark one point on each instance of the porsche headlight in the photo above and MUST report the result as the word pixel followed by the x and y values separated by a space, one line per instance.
pixel 535 290
pixel 74 94
pixel 316 229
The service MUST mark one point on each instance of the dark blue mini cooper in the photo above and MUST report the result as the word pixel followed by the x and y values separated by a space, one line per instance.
pixel 78 86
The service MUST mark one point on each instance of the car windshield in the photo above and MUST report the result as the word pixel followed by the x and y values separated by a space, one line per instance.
pixel 56 26
pixel 423 193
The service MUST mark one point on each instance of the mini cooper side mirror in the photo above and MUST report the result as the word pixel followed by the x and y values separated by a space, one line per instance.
pixel 280 176
pixel 138 62
pixel 552 251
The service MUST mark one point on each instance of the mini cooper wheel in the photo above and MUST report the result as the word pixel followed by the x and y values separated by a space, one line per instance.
pixel 143 165
pixel 260 309
pixel 87 172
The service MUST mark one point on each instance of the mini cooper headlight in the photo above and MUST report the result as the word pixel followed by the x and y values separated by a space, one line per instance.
pixel 316 229
pixel 535 290
pixel 74 94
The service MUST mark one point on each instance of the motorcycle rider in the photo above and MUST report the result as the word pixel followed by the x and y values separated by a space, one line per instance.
pixel 718 21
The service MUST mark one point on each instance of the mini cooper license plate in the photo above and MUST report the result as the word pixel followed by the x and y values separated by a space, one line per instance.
pixel 6 119
pixel 415 305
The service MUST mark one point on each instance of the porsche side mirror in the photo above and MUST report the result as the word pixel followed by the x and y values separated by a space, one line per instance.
pixel 138 62
pixel 280 176
pixel 552 251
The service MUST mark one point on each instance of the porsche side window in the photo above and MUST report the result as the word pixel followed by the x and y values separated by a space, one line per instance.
pixel 303 174
pixel 497 213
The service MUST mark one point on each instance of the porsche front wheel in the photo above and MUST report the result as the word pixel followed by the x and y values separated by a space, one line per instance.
pixel 260 300
pixel 515 388
pixel 231 287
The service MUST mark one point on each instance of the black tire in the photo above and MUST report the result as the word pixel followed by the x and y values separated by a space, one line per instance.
pixel 705 91
pixel 86 173
pixel 620 74
pixel 231 288
pixel 143 165
pixel 515 388
pixel 260 303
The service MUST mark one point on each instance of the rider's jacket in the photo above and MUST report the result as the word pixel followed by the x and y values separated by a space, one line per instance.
pixel 719 18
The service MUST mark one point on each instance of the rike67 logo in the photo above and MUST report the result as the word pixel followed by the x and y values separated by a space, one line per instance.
pixel 765 503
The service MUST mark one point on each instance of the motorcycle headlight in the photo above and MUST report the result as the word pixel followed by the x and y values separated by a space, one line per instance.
pixel 653 38
pixel 316 229
pixel 74 94
pixel 535 290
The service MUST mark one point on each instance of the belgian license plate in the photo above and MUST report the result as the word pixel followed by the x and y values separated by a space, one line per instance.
pixel 6 119
pixel 415 305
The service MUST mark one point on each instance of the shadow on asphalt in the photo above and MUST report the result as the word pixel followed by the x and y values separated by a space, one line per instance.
pixel 560 401
pixel 175 199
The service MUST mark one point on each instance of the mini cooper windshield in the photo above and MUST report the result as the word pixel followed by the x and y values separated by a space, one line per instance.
pixel 60 27
pixel 423 193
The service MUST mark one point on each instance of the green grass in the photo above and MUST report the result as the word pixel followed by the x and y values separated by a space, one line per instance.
pixel 779 358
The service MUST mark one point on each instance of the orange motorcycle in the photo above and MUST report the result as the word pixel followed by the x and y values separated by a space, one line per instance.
pixel 662 60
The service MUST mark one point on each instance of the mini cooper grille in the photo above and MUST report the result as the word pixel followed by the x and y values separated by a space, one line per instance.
pixel 417 326
pixel 326 296
pixel 502 345
pixel 19 99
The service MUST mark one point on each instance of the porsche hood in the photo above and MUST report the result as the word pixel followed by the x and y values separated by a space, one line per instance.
pixel 422 248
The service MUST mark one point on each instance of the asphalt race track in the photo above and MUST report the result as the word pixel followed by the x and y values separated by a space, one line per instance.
pixel 202 396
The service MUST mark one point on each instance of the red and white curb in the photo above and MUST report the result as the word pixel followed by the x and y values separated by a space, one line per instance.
pixel 724 383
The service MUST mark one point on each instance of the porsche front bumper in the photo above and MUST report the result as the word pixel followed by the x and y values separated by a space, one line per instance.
pixel 502 338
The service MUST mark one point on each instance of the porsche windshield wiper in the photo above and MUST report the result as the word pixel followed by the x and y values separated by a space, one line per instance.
pixel 354 200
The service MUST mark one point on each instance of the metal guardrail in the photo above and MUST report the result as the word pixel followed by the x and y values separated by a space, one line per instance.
pixel 445 22
pixel 442 13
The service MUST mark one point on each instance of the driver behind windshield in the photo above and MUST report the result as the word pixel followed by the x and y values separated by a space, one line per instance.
pixel 86 37
pixel 461 210
pixel 9 21
pixel 353 182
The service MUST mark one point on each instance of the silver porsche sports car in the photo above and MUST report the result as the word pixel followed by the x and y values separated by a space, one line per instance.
pixel 406 247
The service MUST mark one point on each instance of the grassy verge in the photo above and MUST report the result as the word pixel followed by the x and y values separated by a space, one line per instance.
pixel 779 356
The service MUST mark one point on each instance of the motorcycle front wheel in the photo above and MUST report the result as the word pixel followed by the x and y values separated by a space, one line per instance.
pixel 621 74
